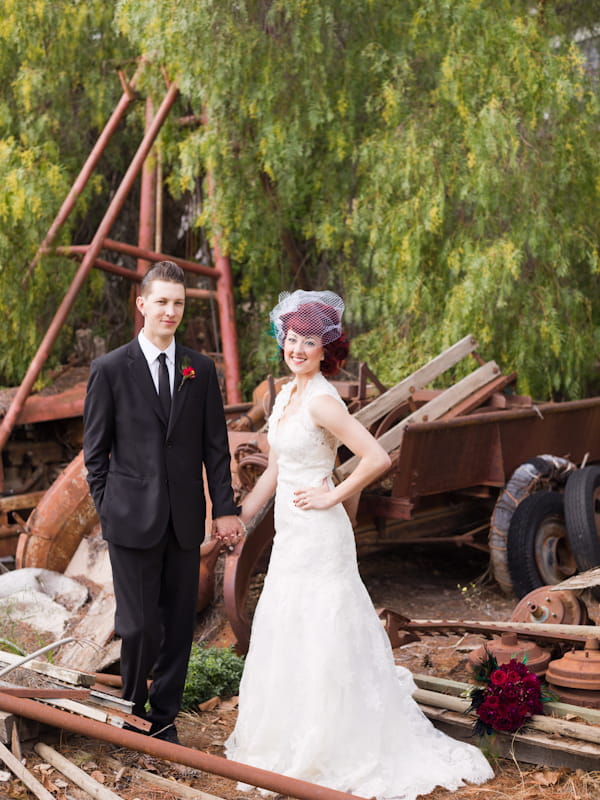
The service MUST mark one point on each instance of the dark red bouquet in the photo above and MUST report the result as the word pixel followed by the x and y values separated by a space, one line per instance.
pixel 512 694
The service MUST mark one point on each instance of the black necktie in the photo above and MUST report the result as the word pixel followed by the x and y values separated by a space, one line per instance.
pixel 164 385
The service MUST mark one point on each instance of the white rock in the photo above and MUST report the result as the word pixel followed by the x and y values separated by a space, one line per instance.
pixel 68 592
pixel 36 610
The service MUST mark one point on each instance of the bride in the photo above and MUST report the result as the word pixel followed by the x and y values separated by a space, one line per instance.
pixel 321 698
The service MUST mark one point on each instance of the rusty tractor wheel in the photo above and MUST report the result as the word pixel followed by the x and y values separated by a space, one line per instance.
pixel 538 474
pixel 582 514
pixel 538 548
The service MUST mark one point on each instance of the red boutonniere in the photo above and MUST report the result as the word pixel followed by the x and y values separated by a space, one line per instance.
pixel 188 373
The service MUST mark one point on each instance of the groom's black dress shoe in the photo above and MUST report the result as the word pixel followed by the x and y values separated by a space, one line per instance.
pixel 166 733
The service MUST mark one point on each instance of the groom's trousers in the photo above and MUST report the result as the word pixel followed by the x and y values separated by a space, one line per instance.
pixel 156 593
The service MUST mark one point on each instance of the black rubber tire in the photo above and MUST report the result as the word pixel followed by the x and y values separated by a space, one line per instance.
pixel 582 515
pixel 538 549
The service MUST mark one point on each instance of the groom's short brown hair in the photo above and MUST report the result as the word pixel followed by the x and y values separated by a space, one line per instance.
pixel 162 271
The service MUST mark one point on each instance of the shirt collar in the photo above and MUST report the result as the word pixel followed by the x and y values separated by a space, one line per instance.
pixel 151 351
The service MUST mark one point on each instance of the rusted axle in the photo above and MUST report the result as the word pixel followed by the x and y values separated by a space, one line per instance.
pixel 280 784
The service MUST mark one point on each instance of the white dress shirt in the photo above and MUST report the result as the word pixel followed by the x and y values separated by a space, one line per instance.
pixel 151 353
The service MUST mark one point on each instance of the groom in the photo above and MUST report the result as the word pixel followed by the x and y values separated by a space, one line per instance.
pixel 153 418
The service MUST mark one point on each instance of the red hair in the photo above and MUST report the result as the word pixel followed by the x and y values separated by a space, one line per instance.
pixel 335 355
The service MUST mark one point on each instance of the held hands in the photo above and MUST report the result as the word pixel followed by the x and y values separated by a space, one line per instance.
pixel 229 530
pixel 314 497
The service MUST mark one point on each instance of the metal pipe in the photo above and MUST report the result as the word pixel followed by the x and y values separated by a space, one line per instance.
pixel 272 781
pixel 33 655
pixel 151 255
pixel 146 216
pixel 87 169
pixel 229 337
pixel 78 251
pixel 86 265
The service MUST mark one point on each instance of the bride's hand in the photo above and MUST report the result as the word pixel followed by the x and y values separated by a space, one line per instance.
pixel 313 497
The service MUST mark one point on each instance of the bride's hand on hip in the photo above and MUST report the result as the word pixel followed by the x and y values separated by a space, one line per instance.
pixel 313 497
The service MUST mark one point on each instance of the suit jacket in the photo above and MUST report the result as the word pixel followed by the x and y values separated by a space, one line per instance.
pixel 143 468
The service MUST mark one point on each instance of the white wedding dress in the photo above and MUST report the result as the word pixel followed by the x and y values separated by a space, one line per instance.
pixel 321 698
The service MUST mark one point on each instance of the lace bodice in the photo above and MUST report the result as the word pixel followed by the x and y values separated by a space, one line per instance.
pixel 305 451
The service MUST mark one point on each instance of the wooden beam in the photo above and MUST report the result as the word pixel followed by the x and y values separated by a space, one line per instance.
pixel 24 774
pixel 434 409
pixel 75 774
pixel 175 788
pixel 531 748
pixel 539 722
pixel 52 670
pixel 458 688
pixel 386 402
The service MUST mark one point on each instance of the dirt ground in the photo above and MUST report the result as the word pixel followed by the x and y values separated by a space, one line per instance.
pixel 439 582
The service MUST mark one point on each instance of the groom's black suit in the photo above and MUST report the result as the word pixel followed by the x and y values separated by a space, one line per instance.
pixel 145 475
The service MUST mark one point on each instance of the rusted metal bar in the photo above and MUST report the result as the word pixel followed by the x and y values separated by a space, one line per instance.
pixel 229 341
pixel 536 630
pixel 146 217
pixel 86 265
pixel 78 251
pixel 151 255
pixel 272 781
pixel 39 693
pixel 199 294
pixel 88 168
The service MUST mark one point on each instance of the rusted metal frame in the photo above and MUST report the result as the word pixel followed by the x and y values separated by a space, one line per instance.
pixel 239 567
pixel 486 448
pixel 146 225
pixel 229 340
pixel 272 781
pixel 151 255
pixel 88 167
pixel 17 501
pixel 86 265
pixel 364 374
pixel 558 633
pixel 78 251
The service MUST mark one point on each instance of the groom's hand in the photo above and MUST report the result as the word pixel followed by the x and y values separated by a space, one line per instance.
pixel 228 530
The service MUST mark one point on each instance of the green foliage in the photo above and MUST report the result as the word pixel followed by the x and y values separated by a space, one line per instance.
pixel 58 63
pixel 212 672
pixel 435 161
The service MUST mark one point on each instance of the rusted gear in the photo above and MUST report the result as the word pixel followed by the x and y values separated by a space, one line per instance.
pixel 510 646
pixel 543 605
pixel 578 669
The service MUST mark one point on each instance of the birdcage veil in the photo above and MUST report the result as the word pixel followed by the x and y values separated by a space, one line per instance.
pixel 313 313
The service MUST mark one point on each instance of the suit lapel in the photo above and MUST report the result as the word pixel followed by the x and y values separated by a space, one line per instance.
pixel 179 395
pixel 143 379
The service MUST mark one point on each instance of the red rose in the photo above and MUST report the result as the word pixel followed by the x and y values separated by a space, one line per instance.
pixel 498 677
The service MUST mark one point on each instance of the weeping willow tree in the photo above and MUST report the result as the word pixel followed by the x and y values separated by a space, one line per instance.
pixel 434 160
pixel 59 84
